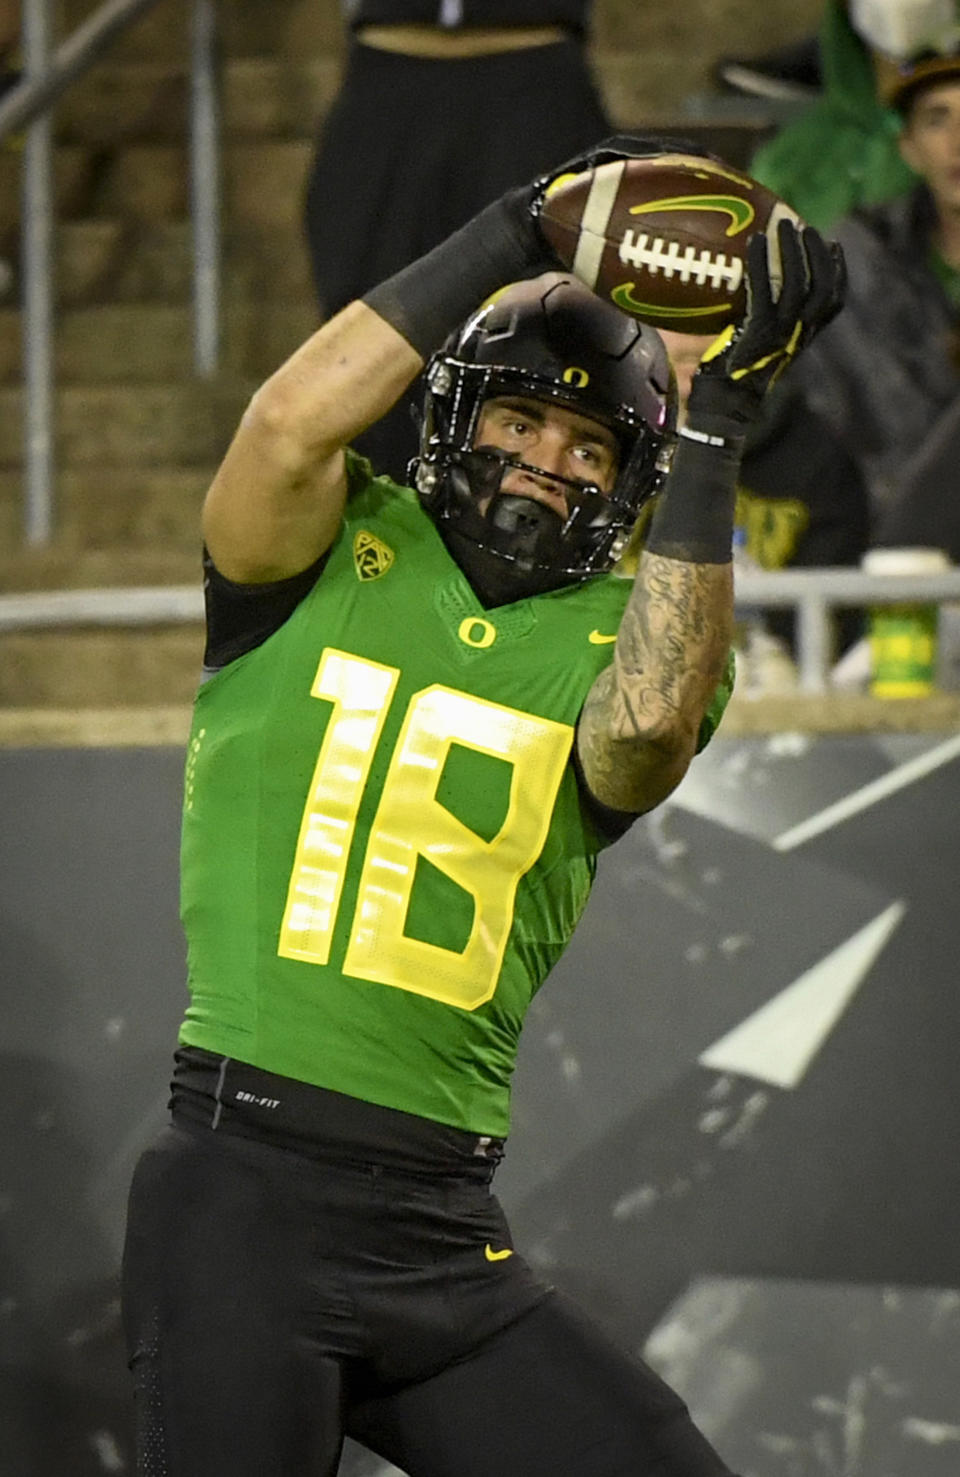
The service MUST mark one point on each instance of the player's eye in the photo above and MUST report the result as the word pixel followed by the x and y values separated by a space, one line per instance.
pixel 596 459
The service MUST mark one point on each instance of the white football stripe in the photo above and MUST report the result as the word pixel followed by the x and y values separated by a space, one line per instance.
pixel 595 219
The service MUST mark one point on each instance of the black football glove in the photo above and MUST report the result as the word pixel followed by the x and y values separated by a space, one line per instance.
pixel 749 357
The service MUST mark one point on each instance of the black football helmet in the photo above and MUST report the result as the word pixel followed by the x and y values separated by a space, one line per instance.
pixel 551 339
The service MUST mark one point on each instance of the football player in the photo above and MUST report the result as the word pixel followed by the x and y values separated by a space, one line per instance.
pixel 426 712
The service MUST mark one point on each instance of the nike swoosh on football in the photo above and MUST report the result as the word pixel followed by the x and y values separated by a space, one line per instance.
pixel 597 638
pixel 497 1256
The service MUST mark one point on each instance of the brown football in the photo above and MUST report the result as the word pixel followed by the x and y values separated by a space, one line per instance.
pixel 664 238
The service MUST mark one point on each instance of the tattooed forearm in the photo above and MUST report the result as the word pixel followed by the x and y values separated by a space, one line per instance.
pixel 639 725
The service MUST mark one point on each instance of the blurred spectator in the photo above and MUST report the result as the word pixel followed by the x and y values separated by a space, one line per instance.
pixel 926 513
pixel 801 502
pixel 397 165
pixel 886 373
pixel 842 151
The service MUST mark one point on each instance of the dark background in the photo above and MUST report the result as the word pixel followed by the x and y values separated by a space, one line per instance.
pixel 779 1235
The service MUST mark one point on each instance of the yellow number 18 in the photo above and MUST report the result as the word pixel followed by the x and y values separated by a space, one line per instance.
pixel 410 822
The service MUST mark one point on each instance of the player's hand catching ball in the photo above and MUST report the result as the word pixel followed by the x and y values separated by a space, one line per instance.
pixel 792 292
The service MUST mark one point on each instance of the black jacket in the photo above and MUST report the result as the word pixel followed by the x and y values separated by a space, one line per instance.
pixel 885 372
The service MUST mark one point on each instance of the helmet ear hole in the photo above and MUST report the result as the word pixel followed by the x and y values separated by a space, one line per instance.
pixel 553 340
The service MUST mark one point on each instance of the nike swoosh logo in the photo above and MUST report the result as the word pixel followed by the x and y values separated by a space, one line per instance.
pixel 496 1256
pixel 624 298
pixel 597 638
pixel 740 211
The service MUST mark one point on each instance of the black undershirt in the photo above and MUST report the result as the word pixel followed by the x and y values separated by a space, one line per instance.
pixel 241 617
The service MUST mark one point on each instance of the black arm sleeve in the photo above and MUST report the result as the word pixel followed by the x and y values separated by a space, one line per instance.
pixel 241 617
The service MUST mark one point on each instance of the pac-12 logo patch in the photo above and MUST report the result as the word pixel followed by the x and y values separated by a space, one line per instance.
pixel 371 556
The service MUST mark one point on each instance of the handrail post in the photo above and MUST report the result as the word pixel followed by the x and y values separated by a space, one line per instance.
pixel 813 644
pixel 36 233
pixel 205 186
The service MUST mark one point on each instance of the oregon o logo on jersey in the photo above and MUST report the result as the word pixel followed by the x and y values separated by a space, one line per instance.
pixel 475 631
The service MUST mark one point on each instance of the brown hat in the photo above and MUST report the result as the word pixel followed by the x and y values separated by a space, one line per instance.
pixel 921 71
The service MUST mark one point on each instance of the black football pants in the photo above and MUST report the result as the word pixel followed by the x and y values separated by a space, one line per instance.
pixel 273 1303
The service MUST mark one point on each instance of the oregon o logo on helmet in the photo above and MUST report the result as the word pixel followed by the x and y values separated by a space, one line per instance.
pixel 579 378
pixel 467 632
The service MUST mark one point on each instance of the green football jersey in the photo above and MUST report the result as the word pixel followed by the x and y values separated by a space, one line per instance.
pixel 384 851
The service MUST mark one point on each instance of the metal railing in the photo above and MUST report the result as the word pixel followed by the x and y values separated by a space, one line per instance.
pixel 813 593
pixel 47 74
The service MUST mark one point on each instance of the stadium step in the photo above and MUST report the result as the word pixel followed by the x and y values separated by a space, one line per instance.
pixel 151 425
pixel 62 565
pixel 119 508
pixel 260 96
pixel 89 668
pixel 120 260
pixel 262 180
pixel 145 342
